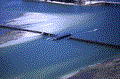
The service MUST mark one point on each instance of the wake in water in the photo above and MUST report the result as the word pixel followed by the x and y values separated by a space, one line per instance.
pixel 43 22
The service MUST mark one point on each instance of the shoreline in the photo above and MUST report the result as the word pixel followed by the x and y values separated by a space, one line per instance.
pixel 106 69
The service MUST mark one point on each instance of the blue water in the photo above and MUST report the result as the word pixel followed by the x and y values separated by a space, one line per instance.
pixel 47 59
pixel 35 56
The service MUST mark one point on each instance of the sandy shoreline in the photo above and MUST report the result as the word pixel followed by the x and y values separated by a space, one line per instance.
pixel 104 70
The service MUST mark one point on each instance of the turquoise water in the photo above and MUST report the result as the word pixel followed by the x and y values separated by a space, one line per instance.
pixel 47 59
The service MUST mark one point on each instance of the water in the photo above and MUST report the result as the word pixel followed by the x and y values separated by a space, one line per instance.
pixel 33 56
pixel 52 59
